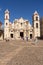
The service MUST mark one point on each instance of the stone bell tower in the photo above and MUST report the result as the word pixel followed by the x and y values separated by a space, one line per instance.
pixel 6 25
pixel 36 25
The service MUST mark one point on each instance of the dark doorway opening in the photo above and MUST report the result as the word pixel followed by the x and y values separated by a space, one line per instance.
pixel 11 35
pixel 30 36
pixel 21 34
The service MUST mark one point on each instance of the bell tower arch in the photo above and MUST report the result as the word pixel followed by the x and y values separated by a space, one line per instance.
pixel 6 24
pixel 36 24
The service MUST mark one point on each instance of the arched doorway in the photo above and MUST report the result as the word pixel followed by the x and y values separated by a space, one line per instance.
pixel 21 34
pixel 11 35
pixel 30 36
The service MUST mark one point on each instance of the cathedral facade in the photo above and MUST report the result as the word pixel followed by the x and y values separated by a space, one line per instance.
pixel 21 28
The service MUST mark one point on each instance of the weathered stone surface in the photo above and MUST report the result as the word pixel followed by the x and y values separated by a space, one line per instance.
pixel 21 53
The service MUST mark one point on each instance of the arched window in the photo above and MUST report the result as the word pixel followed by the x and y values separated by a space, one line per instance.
pixel 36 25
pixel 6 17
pixel 6 23
pixel 21 24
pixel 36 18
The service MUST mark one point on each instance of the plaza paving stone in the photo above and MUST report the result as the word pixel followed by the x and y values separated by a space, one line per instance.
pixel 21 53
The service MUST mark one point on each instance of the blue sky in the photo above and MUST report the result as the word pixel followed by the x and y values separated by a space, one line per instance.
pixel 21 8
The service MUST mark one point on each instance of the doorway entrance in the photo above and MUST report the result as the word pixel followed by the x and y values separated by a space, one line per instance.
pixel 21 34
pixel 11 35
pixel 30 36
